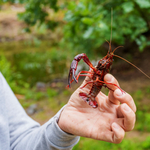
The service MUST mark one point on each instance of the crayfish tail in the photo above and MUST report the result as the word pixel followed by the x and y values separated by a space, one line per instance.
pixel 88 100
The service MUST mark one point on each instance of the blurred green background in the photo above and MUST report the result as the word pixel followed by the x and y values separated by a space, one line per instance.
pixel 39 39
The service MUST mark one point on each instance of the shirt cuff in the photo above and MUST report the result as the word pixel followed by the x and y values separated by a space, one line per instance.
pixel 57 137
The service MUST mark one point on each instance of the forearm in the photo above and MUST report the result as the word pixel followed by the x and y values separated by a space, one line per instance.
pixel 48 137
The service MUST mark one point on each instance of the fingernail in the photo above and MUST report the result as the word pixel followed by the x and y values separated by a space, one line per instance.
pixel 126 108
pixel 108 77
pixel 118 92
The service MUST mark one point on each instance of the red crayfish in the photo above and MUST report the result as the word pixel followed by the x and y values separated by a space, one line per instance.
pixel 96 75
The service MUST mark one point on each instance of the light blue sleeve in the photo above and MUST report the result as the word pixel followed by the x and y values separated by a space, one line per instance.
pixel 26 134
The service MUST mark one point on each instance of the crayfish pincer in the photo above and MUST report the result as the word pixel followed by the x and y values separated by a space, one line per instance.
pixel 96 75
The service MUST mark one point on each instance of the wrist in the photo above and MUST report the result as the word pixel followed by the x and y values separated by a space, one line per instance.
pixel 61 123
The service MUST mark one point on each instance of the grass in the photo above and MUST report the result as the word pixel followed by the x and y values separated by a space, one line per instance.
pixel 89 144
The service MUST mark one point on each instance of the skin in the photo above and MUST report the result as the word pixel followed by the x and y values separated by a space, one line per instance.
pixel 114 116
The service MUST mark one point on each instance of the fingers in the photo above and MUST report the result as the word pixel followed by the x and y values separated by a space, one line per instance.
pixel 117 96
pixel 118 133
pixel 123 124
pixel 110 79
pixel 113 85
pixel 124 98
pixel 127 121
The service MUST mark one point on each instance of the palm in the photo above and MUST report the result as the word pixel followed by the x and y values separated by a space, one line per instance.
pixel 108 122
pixel 89 122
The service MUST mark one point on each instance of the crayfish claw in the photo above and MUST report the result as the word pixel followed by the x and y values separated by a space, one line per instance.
pixel 73 74
pixel 74 65
pixel 70 76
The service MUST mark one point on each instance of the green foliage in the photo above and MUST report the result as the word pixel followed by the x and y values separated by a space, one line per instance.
pixel 13 78
pixel 146 143
pixel 67 92
pixel 34 95
pixel 142 42
pixel 7 71
pixel 39 66
pixel 89 23
pixel 39 95
pixel 37 12
pixel 143 109
pixel 5 67
pixel 86 144
pixel 51 92
pixel 143 121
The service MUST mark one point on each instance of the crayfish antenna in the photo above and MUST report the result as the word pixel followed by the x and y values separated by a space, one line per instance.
pixel 116 49
pixel 111 28
pixel 110 50
pixel 109 46
pixel 133 65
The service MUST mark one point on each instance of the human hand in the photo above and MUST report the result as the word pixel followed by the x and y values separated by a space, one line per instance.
pixel 114 115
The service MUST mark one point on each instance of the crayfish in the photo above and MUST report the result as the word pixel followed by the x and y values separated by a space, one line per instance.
pixel 96 75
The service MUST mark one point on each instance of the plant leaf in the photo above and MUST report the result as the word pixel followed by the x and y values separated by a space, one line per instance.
pixel 128 7
pixel 143 3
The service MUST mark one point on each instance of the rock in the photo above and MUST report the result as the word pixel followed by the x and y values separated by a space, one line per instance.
pixel 32 109
pixel 41 86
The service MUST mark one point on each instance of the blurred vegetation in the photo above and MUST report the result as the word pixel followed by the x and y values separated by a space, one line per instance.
pixel 36 12
pixel 88 22
pixel 85 25
pixel 88 144
pixel 44 66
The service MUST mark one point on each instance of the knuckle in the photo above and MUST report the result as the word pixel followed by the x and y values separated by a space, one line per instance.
pixel 118 140
pixel 130 123
pixel 119 136
pixel 130 128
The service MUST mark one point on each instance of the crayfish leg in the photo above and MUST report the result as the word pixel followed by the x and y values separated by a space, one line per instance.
pixel 104 84
pixel 87 99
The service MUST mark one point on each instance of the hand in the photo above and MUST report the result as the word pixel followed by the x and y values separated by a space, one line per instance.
pixel 114 115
